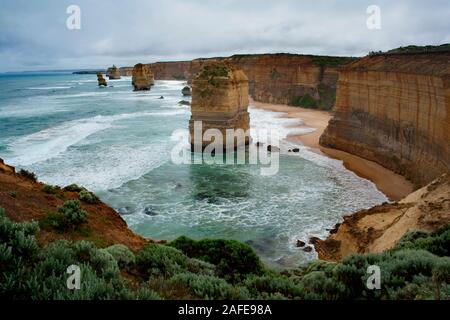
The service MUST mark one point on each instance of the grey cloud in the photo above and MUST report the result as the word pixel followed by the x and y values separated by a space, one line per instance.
pixel 33 34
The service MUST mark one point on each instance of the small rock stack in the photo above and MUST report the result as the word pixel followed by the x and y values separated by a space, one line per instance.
pixel 143 78
pixel 101 81
pixel 113 73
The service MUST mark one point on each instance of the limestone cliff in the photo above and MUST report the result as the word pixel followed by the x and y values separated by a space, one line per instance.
pixel 380 228
pixel 113 73
pixel 219 101
pixel 298 80
pixel 142 77
pixel 394 109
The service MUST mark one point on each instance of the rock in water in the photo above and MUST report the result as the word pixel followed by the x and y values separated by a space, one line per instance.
pixel 186 91
pixel 113 73
pixel 184 103
pixel 219 101
pixel 101 81
pixel 143 78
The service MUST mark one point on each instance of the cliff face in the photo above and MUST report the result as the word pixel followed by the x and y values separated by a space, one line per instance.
pixel 380 228
pixel 219 101
pixel 299 80
pixel 395 110
pixel 142 77
pixel 291 79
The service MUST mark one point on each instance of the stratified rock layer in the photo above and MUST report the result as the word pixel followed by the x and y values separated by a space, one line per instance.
pixel 142 77
pixel 220 101
pixel 395 110
pixel 113 73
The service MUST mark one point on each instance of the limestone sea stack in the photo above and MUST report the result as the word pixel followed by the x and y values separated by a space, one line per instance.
pixel 219 101
pixel 394 109
pixel 142 77
pixel 101 81
pixel 113 73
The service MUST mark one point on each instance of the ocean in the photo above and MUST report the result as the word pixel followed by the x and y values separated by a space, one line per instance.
pixel 117 143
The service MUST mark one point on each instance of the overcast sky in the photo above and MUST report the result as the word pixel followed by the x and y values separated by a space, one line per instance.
pixel 34 36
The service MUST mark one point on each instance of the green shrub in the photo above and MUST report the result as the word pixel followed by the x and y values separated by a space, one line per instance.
pixel 305 101
pixel 155 259
pixel 73 188
pixel 200 267
pixel 28 175
pixel 123 255
pixel 13 194
pixel 437 243
pixel 88 197
pixel 266 286
pixel 206 287
pixel 50 189
pixel 234 260
pixel 72 212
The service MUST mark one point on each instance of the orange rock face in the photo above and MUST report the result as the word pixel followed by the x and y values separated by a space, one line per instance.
pixel 142 77
pixel 219 101
pixel 113 73
pixel 395 110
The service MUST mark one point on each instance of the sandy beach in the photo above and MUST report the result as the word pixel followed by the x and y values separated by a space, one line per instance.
pixel 393 185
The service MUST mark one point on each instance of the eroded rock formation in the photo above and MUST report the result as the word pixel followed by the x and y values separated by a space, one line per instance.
pixel 300 80
pixel 142 77
pixel 113 73
pixel 186 91
pixel 101 81
pixel 395 110
pixel 219 101
pixel 381 227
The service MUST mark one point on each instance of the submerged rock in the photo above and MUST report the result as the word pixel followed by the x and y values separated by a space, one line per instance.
pixel 271 148
pixel 101 81
pixel 150 212
pixel 184 103
pixel 143 78
pixel 308 249
pixel 186 91
pixel 300 244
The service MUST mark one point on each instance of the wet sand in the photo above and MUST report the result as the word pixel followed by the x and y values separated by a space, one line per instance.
pixel 393 185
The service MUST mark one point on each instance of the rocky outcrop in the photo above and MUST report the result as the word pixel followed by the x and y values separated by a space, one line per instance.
pixel 101 81
pixel 219 101
pixel 394 109
pixel 186 91
pixel 142 77
pixel 380 228
pixel 6 168
pixel 113 73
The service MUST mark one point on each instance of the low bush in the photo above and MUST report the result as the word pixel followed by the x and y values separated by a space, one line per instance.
pixel 305 101
pixel 206 287
pixel 28 175
pixel 88 197
pixel 155 260
pixel 70 216
pixel 234 260
pixel 124 257
pixel 73 188
pixel 50 189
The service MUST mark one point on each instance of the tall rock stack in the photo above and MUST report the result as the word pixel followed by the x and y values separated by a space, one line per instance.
pixel 113 73
pixel 220 101
pixel 101 81
pixel 143 78
pixel 394 109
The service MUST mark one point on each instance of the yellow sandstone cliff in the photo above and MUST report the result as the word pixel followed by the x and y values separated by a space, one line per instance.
pixel 219 101
pixel 394 109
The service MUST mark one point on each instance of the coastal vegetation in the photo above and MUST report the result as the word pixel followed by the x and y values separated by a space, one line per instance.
pixel 417 268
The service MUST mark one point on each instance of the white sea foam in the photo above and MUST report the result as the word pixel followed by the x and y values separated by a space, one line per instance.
pixel 48 88
pixel 51 142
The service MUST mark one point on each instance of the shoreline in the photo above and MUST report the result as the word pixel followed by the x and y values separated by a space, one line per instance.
pixel 393 185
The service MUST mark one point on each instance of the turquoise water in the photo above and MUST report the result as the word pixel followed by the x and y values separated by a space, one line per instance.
pixel 117 143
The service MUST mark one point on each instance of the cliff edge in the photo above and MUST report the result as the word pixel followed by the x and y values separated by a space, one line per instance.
pixel 394 109
pixel 380 228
